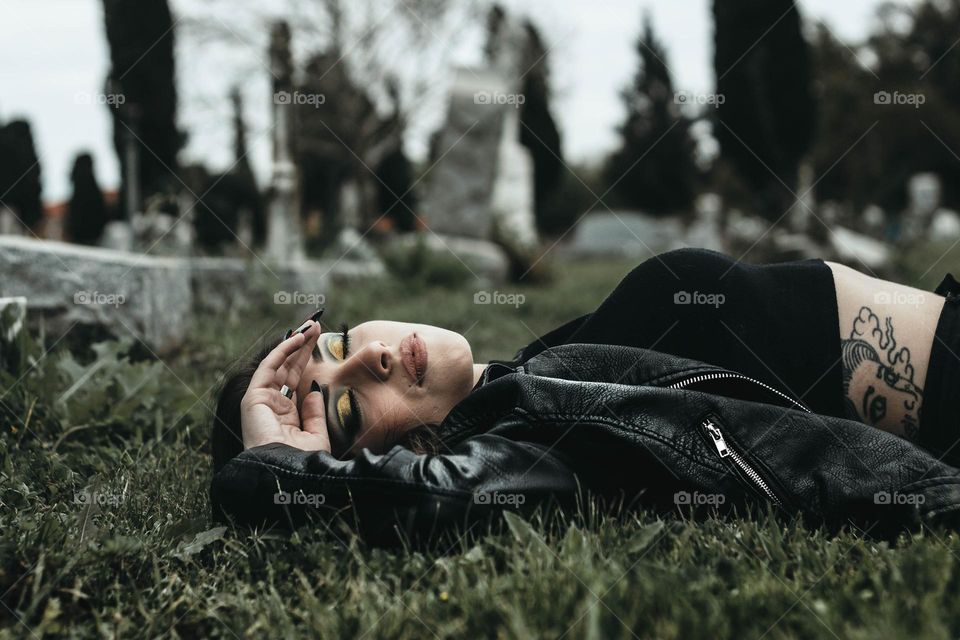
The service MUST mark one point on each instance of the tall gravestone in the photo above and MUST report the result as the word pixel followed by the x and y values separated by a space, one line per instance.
pixel 9 223
pixel 284 242
pixel 923 191
pixel 481 185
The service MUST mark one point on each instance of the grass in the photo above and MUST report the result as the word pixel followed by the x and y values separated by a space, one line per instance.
pixel 104 527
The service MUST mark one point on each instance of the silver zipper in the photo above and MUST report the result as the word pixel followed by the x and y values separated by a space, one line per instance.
pixel 738 376
pixel 726 452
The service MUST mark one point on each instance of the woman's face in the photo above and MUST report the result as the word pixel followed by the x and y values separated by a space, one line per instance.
pixel 385 379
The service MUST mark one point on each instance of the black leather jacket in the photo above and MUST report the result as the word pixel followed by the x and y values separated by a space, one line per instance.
pixel 613 421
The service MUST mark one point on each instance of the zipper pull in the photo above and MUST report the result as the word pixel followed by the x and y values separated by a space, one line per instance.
pixel 718 440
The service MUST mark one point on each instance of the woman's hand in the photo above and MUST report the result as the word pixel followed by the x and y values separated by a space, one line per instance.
pixel 268 416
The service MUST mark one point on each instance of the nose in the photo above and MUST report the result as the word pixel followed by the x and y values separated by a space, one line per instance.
pixel 373 360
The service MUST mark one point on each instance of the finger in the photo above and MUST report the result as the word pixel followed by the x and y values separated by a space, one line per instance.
pixel 266 373
pixel 289 373
pixel 312 418
pixel 315 317
pixel 298 360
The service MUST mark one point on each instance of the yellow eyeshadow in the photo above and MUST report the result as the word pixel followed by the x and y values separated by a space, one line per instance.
pixel 335 345
pixel 343 407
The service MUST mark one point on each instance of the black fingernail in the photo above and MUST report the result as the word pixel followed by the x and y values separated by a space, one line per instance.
pixel 316 316
pixel 288 334
pixel 314 386
pixel 305 329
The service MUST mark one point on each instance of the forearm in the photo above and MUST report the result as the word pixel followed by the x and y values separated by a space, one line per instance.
pixel 416 496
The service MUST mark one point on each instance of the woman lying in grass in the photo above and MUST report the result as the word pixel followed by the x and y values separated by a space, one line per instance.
pixel 698 381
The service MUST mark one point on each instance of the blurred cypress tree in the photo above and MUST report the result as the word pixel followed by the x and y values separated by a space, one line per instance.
pixel 654 167
pixel 87 211
pixel 539 133
pixel 20 187
pixel 141 39
pixel 767 116
pixel 248 195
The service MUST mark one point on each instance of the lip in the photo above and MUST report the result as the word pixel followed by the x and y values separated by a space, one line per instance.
pixel 413 354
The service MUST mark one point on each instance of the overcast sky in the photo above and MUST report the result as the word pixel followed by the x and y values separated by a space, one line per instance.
pixel 55 58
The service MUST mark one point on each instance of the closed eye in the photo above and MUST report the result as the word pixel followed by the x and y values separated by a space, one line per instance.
pixel 348 412
pixel 338 344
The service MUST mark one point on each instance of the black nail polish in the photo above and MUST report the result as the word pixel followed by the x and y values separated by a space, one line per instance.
pixel 314 386
pixel 316 316
pixel 288 334
pixel 305 329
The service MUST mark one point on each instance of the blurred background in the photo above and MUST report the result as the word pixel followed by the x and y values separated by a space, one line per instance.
pixel 473 141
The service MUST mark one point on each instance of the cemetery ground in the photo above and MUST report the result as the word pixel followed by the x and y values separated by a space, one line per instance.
pixel 105 527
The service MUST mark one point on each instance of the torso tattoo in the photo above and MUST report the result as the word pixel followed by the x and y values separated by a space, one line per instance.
pixel 878 378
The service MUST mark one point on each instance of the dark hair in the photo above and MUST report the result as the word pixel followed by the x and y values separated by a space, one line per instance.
pixel 226 438
pixel 423 439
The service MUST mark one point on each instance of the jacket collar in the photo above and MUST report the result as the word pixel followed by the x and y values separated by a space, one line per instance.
pixel 501 387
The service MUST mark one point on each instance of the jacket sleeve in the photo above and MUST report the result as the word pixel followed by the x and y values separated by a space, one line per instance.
pixel 394 497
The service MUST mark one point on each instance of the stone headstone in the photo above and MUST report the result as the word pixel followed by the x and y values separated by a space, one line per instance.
pixel 351 245
pixel 874 219
pixel 9 224
pixel 128 294
pixel 154 298
pixel 457 198
pixel 923 191
pixel 485 260
pixel 746 229
pixel 117 236
pixel 858 249
pixel 623 233
pixel 512 199
pixel 706 231
pixel 945 225
pixel 481 185
pixel 161 233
